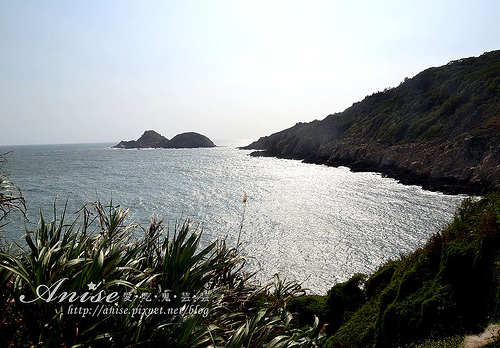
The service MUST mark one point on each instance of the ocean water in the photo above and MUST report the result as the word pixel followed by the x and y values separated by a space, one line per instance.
pixel 315 224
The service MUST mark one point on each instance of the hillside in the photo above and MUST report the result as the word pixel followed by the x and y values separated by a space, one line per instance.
pixel 439 129
pixel 447 288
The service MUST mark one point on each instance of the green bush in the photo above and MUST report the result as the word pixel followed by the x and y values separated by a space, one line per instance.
pixel 151 287
pixel 447 288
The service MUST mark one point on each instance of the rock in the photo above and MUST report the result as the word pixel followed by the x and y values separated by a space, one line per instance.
pixel 132 144
pixel 149 139
pixel 189 140
pixel 152 139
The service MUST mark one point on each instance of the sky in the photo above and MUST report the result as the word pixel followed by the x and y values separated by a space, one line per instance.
pixel 104 71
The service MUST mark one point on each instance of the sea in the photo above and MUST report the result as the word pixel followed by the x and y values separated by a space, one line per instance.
pixel 313 224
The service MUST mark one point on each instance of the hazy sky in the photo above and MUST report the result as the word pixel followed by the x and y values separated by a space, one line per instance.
pixel 99 71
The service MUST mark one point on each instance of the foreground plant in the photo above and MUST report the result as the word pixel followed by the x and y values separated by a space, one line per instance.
pixel 95 280
pixel 11 198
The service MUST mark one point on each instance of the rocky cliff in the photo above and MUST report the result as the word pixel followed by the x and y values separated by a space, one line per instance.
pixel 189 140
pixel 439 129
pixel 147 140
pixel 151 139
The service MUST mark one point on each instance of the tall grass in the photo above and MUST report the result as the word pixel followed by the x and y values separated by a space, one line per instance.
pixel 10 197
pixel 152 286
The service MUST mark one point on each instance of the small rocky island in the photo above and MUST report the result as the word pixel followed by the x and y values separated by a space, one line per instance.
pixel 152 139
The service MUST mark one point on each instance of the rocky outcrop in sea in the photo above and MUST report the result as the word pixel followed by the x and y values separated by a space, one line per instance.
pixel 152 139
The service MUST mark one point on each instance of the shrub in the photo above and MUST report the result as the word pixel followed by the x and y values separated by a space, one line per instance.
pixel 159 287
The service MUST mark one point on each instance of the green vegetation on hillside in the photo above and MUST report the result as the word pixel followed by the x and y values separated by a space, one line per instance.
pixel 439 129
pixel 438 103
pixel 449 286
pixel 444 102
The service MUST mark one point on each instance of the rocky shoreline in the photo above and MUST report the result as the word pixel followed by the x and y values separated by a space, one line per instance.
pixel 444 167
pixel 439 129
